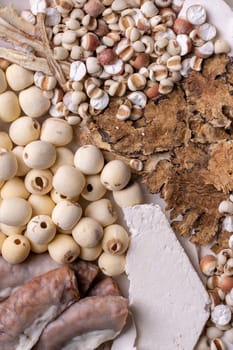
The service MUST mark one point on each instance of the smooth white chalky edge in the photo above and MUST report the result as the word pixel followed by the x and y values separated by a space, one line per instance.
pixel 167 298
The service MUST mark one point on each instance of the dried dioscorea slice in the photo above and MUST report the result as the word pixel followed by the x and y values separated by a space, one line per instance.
pixel 13 276
pixel 106 286
pixel 25 314
pixel 88 323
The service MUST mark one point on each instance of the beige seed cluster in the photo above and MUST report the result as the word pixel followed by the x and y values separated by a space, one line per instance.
pixel 219 272
pixel 136 49
pixel 54 198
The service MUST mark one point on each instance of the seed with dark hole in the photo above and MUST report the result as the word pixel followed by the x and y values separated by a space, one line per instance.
pixel 43 224
pixel 89 188
pixel 39 182
pixel 17 241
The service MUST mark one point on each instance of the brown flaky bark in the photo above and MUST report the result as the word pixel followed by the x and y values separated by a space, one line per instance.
pixel 192 127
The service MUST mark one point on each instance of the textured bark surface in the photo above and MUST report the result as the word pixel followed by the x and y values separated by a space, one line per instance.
pixel 192 128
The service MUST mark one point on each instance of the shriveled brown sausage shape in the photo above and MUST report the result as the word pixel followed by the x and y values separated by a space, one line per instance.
pixel 86 324
pixel 25 314
pixel 12 276
pixel 106 286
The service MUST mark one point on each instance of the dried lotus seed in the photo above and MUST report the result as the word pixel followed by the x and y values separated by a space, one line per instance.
pixel 68 181
pixel 41 205
pixel 102 211
pixel 18 77
pixel 39 155
pixel 33 102
pixel 14 188
pixel 89 160
pixel 87 233
pixel 15 249
pixel 38 181
pixel 41 229
pixel 66 214
pixel 111 265
pixel 15 211
pixel 24 130
pixel 115 175
pixel 10 108
pixel 115 240
pixel 8 164
pixel 63 249
pixel 93 189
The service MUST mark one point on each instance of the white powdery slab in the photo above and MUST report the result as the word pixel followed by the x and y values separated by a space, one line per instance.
pixel 168 300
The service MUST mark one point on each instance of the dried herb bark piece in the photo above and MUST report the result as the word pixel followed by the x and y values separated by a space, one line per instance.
pixel 193 127
pixel 220 166
pixel 162 127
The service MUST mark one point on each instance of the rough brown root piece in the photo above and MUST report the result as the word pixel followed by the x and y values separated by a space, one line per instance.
pixel 91 322
pixel 31 45
pixel 53 64
pixel 13 276
pixel 25 314
pixel 26 60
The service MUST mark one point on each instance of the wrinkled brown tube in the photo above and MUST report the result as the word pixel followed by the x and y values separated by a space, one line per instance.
pixel 12 276
pixel 25 314
pixel 91 314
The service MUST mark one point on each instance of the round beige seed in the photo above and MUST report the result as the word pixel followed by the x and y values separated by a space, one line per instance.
pixel 14 188
pixel 33 102
pixel 22 168
pixel 38 181
pixel 131 195
pixel 66 214
pixel 115 240
pixel 39 155
pixel 3 83
pixel 63 249
pixel 102 211
pixel 10 108
pixel 15 211
pixel 111 265
pixel 37 248
pixel 15 249
pixel 68 181
pixel 87 233
pixel 5 141
pixel 2 239
pixel 18 77
pixel 41 205
pixel 12 230
pixel 24 130
pixel 89 160
pixel 8 165
pixel 56 131
pixel 41 229
pixel 115 175
pixel 64 156
pixel 93 189
pixel 90 254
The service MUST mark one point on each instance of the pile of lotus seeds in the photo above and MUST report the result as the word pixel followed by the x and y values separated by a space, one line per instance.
pixel 51 198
